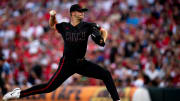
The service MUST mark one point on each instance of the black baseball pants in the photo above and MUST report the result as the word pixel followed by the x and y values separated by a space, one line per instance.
pixel 67 68
pixel 2 85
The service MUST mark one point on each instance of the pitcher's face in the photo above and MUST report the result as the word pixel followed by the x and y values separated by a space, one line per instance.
pixel 78 15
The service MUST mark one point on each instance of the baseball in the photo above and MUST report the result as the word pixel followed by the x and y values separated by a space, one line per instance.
pixel 52 12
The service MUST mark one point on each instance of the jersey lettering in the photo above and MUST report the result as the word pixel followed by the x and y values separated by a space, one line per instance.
pixel 74 37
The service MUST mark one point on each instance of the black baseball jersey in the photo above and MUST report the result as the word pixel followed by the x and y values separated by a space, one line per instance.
pixel 75 38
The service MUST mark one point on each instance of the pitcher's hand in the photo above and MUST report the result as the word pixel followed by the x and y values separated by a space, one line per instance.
pixel 52 13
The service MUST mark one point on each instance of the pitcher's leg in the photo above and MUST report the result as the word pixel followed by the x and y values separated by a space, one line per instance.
pixel 57 79
pixel 90 69
pixel 2 85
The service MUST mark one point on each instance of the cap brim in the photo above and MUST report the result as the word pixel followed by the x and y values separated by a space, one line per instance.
pixel 83 10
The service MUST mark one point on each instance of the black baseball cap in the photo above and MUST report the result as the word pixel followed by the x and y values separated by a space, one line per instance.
pixel 77 7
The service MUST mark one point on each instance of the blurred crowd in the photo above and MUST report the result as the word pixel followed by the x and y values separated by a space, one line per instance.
pixel 143 46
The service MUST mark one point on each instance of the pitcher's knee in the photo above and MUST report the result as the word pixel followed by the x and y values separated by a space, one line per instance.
pixel 107 74
pixel 48 88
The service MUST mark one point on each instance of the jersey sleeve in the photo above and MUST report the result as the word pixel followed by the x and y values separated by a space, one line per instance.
pixel 94 25
pixel 60 27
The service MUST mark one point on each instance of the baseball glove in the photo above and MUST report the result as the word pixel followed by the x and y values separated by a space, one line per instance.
pixel 96 36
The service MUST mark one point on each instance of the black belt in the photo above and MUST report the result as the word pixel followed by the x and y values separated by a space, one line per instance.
pixel 74 59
